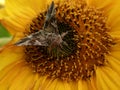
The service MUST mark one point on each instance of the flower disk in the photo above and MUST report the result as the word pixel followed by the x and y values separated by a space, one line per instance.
pixel 87 41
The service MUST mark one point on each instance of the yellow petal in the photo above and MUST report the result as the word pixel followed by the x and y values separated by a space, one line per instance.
pixel 116 47
pixel 113 18
pixel 107 79
pixel 37 5
pixel 25 80
pixel 16 23
pixel 115 33
pixel 116 54
pixel 2 13
pixel 48 83
pixel 10 54
pixel 113 63
pixel 9 73
pixel 93 83
pixel 19 76
pixel 99 3
pixel 114 22
pixel 18 14
pixel 62 85
pixel 39 82
pixel 51 84
pixel 86 85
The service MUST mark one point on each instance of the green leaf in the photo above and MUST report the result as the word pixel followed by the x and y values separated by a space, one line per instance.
pixel 4 32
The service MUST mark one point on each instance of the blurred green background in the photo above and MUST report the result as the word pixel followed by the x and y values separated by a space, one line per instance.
pixel 4 36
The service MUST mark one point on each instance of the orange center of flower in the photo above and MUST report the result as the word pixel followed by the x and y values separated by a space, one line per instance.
pixel 88 43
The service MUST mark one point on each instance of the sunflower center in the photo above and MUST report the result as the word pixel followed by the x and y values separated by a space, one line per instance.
pixel 86 43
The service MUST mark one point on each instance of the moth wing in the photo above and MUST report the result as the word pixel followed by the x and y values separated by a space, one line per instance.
pixel 34 39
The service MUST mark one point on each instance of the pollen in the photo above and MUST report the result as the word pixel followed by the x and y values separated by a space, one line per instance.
pixel 88 42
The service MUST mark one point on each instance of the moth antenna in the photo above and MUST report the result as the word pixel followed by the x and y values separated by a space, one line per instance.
pixel 50 14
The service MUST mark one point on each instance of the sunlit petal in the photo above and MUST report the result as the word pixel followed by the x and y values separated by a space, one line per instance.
pixel 107 79
pixel 10 54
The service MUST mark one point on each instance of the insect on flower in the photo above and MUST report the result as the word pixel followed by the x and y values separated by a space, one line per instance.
pixel 48 36
pixel 71 45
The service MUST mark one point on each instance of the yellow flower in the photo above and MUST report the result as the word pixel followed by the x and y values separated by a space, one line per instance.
pixel 91 60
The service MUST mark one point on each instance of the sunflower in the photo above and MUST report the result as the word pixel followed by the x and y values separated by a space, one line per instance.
pixel 89 61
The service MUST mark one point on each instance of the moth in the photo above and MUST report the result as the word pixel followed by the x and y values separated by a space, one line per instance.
pixel 49 34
